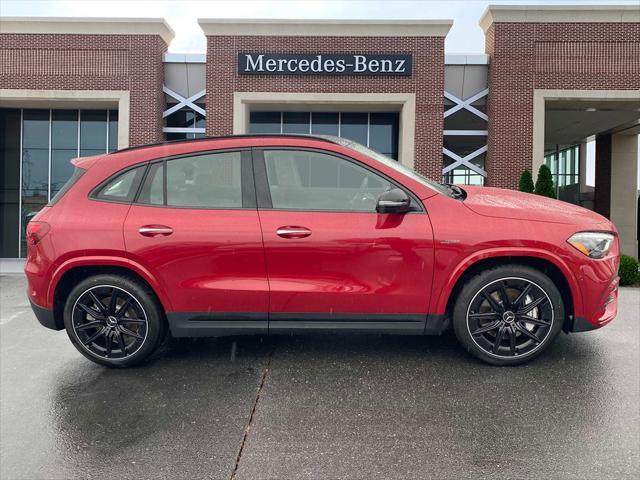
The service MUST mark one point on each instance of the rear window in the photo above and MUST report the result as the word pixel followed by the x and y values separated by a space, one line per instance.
pixel 77 173
pixel 122 187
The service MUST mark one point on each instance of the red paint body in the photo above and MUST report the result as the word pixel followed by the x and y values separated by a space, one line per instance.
pixel 352 262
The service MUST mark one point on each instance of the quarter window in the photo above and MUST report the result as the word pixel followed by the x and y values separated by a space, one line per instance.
pixel 307 180
pixel 123 187
pixel 212 180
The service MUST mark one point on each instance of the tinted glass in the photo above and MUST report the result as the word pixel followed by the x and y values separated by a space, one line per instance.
pixel 122 188
pixel 64 146
pixel 296 122
pixel 9 181
pixel 212 180
pixel 152 192
pixel 264 122
pixel 325 123
pixel 383 133
pixel 93 132
pixel 113 130
pixel 354 127
pixel 305 180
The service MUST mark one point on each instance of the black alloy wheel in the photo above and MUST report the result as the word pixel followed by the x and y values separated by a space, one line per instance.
pixel 510 317
pixel 109 322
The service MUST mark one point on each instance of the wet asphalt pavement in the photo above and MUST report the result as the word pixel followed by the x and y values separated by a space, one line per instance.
pixel 318 407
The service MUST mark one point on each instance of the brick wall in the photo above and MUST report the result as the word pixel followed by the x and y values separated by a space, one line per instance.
pixel 528 56
pixel 92 62
pixel 427 81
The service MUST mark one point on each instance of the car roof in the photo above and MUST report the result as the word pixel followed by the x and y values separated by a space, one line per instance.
pixel 229 137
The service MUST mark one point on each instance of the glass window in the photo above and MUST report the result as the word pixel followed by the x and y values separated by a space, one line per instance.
pixel 93 132
pixel 9 181
pixel 354 127
pixel 296 122
pixel 325 123
pixel 113 130
pixel 265 122
pixel 306 180
pixel 383 133
pixel 123 187
pixel 212 180
pixel 152 192
pixel 64 146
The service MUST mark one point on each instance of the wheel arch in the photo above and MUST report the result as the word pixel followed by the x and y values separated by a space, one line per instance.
pixel 545 262
pixel 68 275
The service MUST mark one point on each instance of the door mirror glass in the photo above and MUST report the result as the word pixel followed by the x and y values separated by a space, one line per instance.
pixel 395 200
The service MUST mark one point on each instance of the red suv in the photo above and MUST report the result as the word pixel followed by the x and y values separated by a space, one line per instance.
pixel 279 234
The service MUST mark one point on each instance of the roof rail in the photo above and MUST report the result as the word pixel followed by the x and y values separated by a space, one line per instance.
pixel 222 137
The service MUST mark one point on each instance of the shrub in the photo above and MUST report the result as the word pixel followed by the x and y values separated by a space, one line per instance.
pixel 629 270
pixel 526 182
pixel 544 183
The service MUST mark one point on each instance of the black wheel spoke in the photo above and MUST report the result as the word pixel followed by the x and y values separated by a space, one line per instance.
pixel 130 333
pixel 523 295
pixel 137 321
pixel 504 297
pixel 492 301
pixel 512 340
pixel 487 328
pixel 123 308
pixel 94 337
pixel 527 333
pixel 98 303
pixel 90 311
pixel 534 321
pixel 113 301
pixel 498 340
pixel 484 316
pixel 530 306
pixel 107 343
pixel 123 346
pixel 88 325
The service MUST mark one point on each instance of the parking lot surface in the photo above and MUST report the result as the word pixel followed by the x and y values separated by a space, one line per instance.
pixel 320 406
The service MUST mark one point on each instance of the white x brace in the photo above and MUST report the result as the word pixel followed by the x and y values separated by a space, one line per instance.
pixel 183 102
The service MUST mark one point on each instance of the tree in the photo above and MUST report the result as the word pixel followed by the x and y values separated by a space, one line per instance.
pixel 526 182
pixel 544 183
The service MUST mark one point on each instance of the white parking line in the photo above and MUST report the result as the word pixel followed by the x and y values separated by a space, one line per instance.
pixel 13 316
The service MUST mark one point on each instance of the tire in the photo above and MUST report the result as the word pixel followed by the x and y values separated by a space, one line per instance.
pixel 508 333
pixel 123 329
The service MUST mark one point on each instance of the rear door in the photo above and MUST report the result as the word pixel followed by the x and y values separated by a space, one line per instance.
pixel 332 261
pixel 195 227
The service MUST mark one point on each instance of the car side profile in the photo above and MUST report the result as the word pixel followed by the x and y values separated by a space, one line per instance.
pixel 268 234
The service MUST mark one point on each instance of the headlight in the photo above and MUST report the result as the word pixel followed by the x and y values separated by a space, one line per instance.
pixel 592 244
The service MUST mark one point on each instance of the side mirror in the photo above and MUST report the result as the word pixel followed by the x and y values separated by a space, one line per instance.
pixel 393 201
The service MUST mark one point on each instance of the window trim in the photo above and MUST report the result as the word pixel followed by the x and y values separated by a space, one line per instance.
pixel 263 192
pixel 247 185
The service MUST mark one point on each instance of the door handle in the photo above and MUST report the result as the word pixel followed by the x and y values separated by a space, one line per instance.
pixel 155 231
pixel 293 232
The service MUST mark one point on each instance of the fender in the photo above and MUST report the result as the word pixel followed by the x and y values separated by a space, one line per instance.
pixel 99 261
pixel 445 292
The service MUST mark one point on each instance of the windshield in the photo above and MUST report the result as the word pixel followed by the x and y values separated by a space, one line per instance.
pixel 390 162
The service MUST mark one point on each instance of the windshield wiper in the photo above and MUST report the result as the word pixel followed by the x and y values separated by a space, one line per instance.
pixel 456 191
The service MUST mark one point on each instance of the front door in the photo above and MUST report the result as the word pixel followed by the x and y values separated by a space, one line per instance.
pixel 332 261
pixel 195 227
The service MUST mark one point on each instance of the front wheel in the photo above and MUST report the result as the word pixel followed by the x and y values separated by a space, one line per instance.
pixel 114 320
pixel 508 315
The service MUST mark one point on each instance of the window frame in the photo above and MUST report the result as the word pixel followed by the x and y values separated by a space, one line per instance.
pixel 247 185
pixel 263 192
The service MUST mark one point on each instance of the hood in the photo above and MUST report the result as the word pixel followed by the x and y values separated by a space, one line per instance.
pixel 502 203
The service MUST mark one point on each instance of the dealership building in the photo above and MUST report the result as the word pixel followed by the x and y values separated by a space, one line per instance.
pixel 554 83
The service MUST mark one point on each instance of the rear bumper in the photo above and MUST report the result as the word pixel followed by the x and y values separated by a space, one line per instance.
pixel 45 317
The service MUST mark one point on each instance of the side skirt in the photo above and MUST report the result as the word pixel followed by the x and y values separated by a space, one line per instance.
pixel 206 324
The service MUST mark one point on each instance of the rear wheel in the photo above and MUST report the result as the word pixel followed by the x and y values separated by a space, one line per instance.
pixel 508 315
pixel 114 320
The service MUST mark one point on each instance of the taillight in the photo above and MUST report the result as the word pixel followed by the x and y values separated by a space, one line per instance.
pixel 36 231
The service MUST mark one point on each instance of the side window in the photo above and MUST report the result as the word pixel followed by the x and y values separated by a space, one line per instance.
pixel 306 180
pixel 212 180
pixel 123 187
pixel 152 191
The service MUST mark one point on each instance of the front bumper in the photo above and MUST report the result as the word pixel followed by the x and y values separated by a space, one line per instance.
pixel 606 310
pixel 45 317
